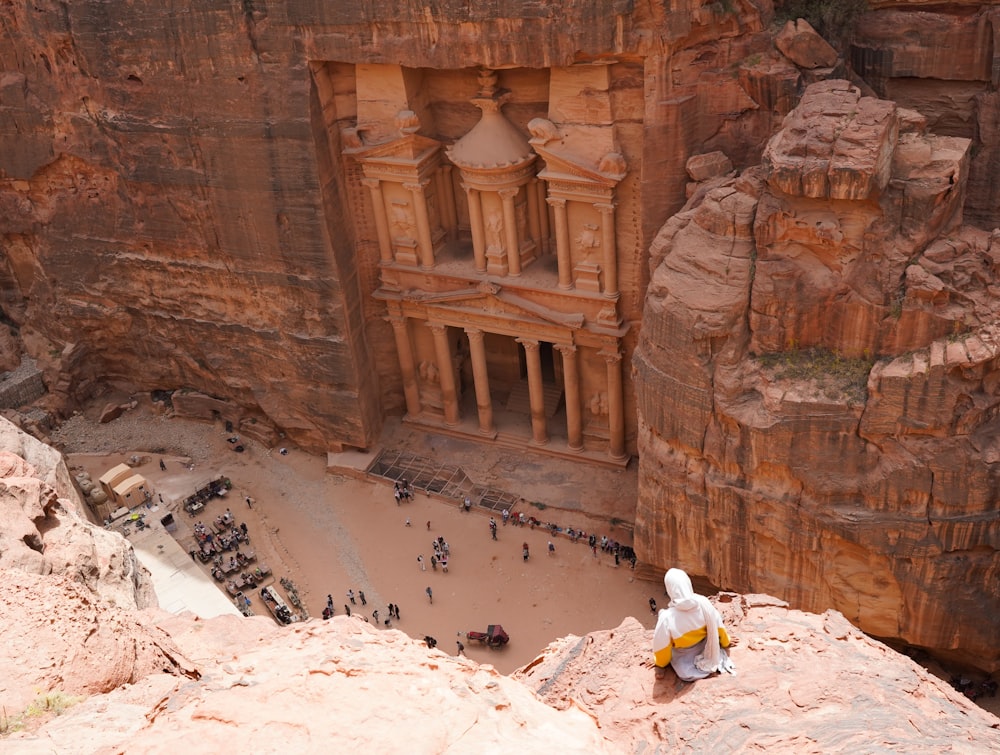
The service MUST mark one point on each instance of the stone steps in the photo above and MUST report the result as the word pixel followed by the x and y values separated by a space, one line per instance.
pixel 519 401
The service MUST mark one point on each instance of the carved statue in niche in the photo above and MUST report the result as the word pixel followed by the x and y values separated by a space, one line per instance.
pixel 521 217
pixel 589 238
pixel 428 372
pixel 599 404
pixel 401 219
pixel 494 227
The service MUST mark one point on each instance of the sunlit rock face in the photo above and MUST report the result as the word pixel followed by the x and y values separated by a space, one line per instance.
pixel 817 375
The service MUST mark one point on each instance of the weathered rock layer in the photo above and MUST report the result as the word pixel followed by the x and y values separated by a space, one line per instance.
pixel 817 373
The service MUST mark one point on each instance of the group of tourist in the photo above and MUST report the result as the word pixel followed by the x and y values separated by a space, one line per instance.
pixel 392 612
pixel 401 491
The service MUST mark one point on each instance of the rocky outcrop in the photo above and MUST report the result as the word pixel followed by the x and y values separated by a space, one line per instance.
pixel 842 690
pixel 72 591
pixel 816 376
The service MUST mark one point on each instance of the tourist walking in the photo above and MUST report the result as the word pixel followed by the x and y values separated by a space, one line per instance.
pixel 434 563
pixel 375 616
pixel 493 528
pixel 430 594
pixel 347 609
pixel 461 647
pixel 350 597
pixel 552 548
pixel 524 551
pixel 420 560
pixel 361 595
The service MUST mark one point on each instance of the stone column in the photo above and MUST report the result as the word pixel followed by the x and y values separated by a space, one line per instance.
pixel 411 391
pixel 536 391
pixel 610 251
pixel 571 385
pixel 562 243
pixel 510 231
pixel 448 202
pixel 616 403
pixel 480 374
pixel 543 214
pixel 534 222
pixel 446 373
pixel 478 232
pixel 423 223
pixel 381 220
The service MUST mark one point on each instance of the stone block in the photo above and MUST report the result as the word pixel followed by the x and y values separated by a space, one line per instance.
pixel 802 45
pixel 708 165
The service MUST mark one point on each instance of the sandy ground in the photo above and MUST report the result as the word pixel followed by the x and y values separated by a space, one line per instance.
pixel 330 533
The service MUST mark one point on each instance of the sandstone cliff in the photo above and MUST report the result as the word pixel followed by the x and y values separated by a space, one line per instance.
pixel 817 378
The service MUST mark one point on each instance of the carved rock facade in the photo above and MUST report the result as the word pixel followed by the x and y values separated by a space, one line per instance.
pixel 272 205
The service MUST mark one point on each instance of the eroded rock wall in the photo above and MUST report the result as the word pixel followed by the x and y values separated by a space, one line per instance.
pixel 941 61
pixel 817 380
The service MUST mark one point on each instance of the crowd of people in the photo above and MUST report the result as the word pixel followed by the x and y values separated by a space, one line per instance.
pixel 595 542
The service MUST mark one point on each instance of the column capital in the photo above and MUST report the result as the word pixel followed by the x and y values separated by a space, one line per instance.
pixel 556 201
pixel 611 354
pixel 416 185
pixel 528 343
pixel 467 188
pixel 437 328
pixel 395 319
pixel 508 193
pixel 565 348
pixel 372 183
pixel 605 208
pixel 475 334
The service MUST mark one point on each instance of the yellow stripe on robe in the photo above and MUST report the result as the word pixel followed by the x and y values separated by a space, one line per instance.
pixel 687 640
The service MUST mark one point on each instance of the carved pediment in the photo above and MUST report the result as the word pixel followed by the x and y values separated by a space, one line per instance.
pixel 491 298
pixel 408 149
pixel 563 166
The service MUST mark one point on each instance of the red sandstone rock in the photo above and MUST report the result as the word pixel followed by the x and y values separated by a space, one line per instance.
pixel 790 667
pixel 709 165
pixel 856 484
pixel 111 412
pixel 800 43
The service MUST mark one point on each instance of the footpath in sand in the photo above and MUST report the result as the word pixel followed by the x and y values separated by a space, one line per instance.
pixel 329 533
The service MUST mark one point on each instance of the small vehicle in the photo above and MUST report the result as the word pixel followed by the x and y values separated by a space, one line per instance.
pixel 493 637
pixel 278 608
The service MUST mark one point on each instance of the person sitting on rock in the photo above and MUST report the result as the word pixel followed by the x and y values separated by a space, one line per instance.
pixel 689 634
